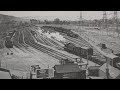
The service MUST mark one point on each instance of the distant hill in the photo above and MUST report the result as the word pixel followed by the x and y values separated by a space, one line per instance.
pixel 10 18
pixel 51 18
pixel 4 27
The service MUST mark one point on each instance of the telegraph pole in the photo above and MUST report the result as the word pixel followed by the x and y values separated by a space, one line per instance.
pixel 0 58
pixel 104 19
pixel 0 63
pixel 116 20
pixel 81 20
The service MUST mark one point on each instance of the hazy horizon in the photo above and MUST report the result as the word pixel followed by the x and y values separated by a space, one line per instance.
pixel 69 15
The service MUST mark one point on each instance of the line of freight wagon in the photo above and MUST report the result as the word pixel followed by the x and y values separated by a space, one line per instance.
pixel 87 53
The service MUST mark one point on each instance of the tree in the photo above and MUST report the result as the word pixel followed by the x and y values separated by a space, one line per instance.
pixel 57 21
pixel 46 21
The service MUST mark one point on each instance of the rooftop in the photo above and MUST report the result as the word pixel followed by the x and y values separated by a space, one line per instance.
pixel 67 68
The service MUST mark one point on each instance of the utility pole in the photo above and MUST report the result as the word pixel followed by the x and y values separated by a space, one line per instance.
pixel 104 19
pixel 81 20
pixel 0 59
pixel 116 20
pixel 0 63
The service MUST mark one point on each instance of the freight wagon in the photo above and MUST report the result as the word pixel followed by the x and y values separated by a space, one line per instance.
pixel 87 53
pixel 79 51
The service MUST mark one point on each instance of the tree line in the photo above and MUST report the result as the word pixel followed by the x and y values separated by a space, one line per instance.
pixel 95 22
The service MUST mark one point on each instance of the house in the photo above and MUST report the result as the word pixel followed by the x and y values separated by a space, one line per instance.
pixel 5 74
pixel 114 73
pixel 69 71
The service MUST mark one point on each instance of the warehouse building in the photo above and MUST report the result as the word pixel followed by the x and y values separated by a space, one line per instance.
pixel 96 72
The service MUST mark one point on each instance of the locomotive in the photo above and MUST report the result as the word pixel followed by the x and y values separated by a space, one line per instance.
pixel 87 53
pixel 8 43
pixel 68 32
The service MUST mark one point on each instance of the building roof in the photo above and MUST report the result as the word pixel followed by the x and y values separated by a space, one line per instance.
pixel 94 67
pixel 114 72
pixel 95 77
pixel 85 47
pixel 67 68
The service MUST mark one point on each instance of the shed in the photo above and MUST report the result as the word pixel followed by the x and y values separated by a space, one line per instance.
pixel 114 73
pixel 69 71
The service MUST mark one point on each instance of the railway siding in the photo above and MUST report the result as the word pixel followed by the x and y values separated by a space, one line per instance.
pixel 45 48
pixel 15 40
pixel 39 48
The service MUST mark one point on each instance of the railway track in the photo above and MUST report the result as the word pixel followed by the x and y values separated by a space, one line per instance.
pixel 41 49
pixel 15 40
pixel 41 46
pixel 38 39
pixel 21 41
pixel 61 55
pixel 24 39
pixel 75 41
pixel 44 51
pixel 52 43
pixel 82 43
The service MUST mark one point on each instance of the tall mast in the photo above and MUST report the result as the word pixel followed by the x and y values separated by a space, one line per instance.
pixel 81 19
pixel 104 19
pixel 116 20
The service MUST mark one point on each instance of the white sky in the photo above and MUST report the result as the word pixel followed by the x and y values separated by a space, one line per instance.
pixel 71 15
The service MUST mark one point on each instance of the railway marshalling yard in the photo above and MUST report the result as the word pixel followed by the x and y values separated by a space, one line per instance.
pixel 48 53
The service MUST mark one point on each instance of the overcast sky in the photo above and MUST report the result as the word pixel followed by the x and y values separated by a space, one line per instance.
pixel 71 15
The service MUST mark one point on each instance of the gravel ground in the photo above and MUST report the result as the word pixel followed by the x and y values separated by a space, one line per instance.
pixel 22 61
pixel 110 41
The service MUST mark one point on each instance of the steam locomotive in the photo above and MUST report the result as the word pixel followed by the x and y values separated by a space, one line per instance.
pixel 87 53
pixel 68 32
